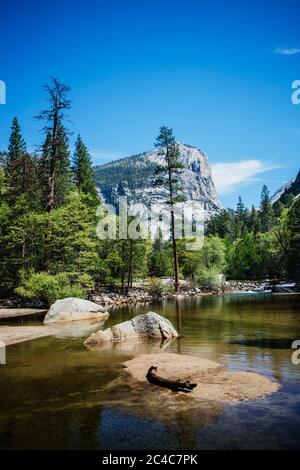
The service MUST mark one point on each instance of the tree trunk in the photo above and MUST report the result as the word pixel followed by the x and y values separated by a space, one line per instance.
pixel 174 385
pixel 51 193
pixel 130 266
pixel 174 244
pixel 175 255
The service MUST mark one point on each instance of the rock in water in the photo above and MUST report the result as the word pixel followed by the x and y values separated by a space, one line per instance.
pixel 148 325
pixel 215 382
pixel 73 309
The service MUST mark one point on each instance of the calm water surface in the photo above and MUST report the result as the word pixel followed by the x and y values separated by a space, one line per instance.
pixel 56 394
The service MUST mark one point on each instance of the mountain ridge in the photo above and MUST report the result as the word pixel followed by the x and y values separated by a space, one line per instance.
pixel 133 177
pixel 290 187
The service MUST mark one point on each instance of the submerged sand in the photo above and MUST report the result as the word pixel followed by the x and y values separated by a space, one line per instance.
pixel 214 381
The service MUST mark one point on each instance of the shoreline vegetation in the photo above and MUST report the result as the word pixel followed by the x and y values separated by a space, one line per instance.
pixel 111 297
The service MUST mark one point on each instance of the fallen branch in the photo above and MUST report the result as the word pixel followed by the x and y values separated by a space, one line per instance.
pixel 174 385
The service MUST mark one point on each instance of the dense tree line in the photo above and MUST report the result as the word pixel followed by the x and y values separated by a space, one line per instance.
pixel 48 201
pixel 261 242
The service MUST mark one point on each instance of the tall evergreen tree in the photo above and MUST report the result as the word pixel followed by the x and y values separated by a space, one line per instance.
pixel 17 146
pixel 63 169
pixel 159 261
pixel 82 169
pixel 15 162
pixel 168 173
pixel 20 168
pixel 240 219
pixel 44 170
pixel 54 117
pixel 253 220
pixel 266 212
pixel 293 224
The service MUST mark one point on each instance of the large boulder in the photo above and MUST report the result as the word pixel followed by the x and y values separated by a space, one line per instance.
pixel 73 309
pixel 148 325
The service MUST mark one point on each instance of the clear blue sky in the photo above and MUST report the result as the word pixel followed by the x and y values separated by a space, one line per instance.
pixel 219 73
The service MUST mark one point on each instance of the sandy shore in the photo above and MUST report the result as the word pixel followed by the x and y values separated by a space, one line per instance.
pixel 214 381
pixel 7 313
pixel 18 334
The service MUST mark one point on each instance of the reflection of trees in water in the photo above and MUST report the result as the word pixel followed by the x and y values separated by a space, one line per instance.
pixel 55 390
pixel 178 325
pixel 250 331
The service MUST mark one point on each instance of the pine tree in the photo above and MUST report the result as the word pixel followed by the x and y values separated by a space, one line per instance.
pixel 17 146
pixel 83 171
pixel 266 212
pixel 278 207
pixel 54 117
pixel 253 221
pixel 44 170
pixel 168 178
pixel 240 219
pixel 63 169
pixel 293 224
pixel 21 171
pixel 159 261
pixel 17 163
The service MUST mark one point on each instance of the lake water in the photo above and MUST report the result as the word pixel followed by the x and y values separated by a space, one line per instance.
pixel 57 394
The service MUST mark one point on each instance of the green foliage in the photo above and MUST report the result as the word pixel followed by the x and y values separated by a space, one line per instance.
pixel 266 213
pixel 17 146
pixel 207 278
pixel 55 167
pixel 159 263
pixel 47 288
pixel 62 241
pixel 205 266
pixel 255 257
pixel 293 227
pixel 155 287
pixel 122 260
pixel 291 192
pixel 167 177
pixel 133 170
pixel 71 243
pixel 259 243
pixel 244 259
pixel 2 184
pixel 83 171
pixel 60 167
pixel 167 173
pixel 48 243
pixel 20 169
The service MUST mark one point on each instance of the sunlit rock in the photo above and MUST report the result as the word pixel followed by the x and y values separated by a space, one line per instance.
pixel 148 325
pixel 73 309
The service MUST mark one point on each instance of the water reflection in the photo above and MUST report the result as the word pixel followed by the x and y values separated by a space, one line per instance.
pixel 55 393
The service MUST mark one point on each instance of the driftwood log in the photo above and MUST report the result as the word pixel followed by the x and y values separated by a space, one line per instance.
pixel 174 385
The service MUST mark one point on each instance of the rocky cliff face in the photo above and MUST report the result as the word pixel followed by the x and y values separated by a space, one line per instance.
pixel 133 177
pixel 291 187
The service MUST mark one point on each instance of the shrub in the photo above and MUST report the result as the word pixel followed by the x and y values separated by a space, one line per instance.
pixel 208 278
pixel 47 288
pixel 155 286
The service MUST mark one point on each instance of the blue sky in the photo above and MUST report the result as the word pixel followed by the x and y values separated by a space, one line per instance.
pixel 219 73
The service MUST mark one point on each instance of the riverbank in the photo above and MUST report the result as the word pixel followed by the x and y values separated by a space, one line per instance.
pixel 111 296
pixel 18 334
pixel 8 313
pixel 140 294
